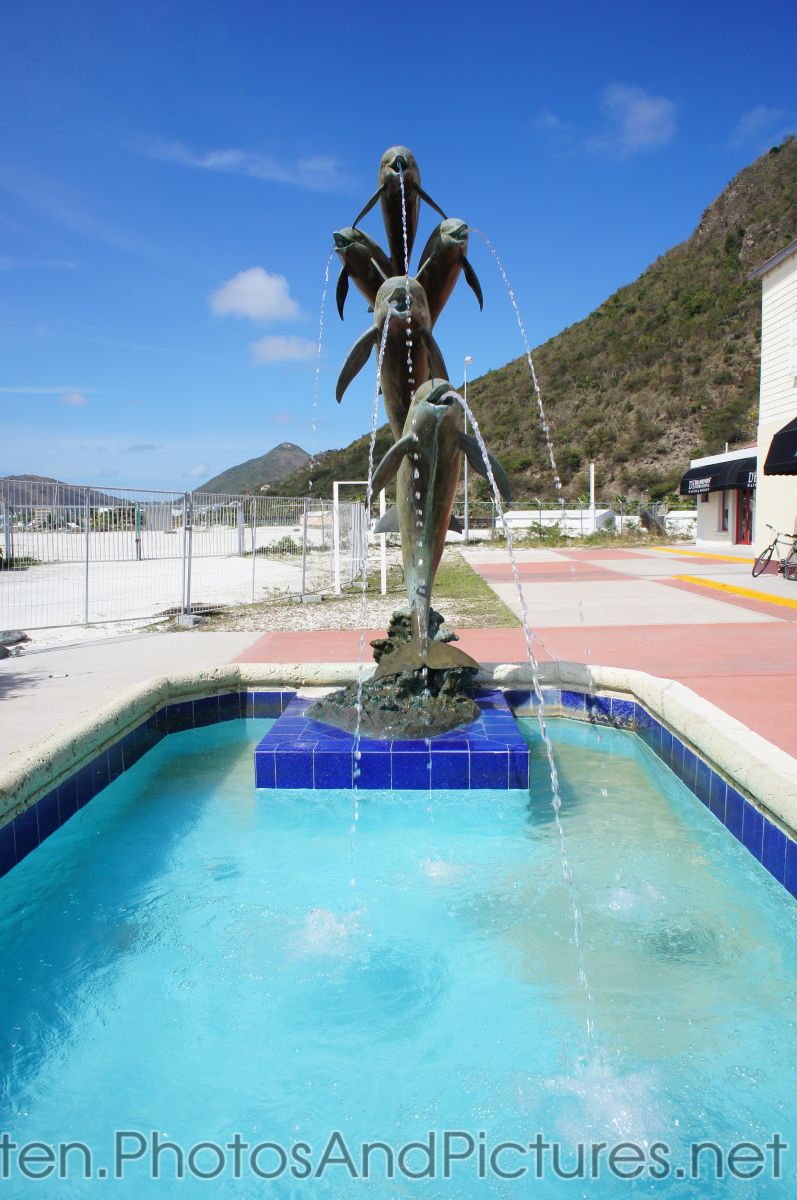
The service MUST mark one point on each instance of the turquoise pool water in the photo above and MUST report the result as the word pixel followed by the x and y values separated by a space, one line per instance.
pixel 190 958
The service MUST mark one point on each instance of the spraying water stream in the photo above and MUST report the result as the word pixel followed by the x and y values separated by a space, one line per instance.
pixel 556 801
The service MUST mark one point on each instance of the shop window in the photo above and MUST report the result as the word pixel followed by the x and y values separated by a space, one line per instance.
pixel 723 512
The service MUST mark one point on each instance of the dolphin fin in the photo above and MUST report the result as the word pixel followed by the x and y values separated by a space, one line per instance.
pixel 437 366
pixel 390 464
pixel 358 357
pixel 342 290
pixel 389 523
pixel 473 282
pixel 368 206
pixel 438 656
pixel 472 450
pixel 425 196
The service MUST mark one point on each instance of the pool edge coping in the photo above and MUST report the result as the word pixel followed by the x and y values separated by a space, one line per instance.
pixel 767 773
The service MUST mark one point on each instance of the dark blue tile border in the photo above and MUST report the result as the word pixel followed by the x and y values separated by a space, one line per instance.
pixel 493 761
pixel 29 828
pixel 769 845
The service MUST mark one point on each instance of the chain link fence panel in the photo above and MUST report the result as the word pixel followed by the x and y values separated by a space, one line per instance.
pixel 90 555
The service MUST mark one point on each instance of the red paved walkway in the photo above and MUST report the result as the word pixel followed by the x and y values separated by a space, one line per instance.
pixel 750 671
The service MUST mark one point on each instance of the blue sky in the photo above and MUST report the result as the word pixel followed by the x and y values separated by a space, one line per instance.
pixel 170 176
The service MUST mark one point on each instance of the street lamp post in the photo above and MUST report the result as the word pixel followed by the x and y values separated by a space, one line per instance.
pixel 466 523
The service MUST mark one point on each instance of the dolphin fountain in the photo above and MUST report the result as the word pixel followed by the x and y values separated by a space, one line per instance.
pixel 423 684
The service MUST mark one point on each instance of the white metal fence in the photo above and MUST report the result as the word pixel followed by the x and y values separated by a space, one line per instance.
pixel 81 556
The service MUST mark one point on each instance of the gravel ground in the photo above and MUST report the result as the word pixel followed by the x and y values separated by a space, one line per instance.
pixel 343 612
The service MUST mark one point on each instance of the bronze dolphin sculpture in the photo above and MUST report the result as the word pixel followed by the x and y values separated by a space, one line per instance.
pixel 443 257
pixel 396 162
pixel 426 462
pixel 364 261
pixel 402 303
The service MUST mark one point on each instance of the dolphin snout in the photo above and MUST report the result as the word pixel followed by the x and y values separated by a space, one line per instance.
pixel 399 163
pixel 442 395
pixel 340 240
pixel 460 232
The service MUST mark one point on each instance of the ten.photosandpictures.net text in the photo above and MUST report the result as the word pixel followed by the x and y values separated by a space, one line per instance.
pixel 438 1155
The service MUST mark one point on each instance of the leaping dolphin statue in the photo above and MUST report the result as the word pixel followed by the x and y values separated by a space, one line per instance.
pixel 426 462
pixel 364 261
pixel 401 302
pixel 443 257
pixel 396 162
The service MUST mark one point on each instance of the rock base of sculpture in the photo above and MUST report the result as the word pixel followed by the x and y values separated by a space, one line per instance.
pixel 408 705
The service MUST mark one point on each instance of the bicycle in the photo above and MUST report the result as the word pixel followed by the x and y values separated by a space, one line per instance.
pixel 787 563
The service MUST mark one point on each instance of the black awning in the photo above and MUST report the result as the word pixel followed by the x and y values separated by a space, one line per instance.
pixel 782 456
pixel 742 473
pixel 700 479
pixel 717 476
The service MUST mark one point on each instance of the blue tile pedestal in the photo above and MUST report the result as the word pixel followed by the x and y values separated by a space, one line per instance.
pixel 489 753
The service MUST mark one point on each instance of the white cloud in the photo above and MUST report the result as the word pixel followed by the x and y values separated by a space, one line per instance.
pixel 282 348
pixel 23 264
pixel 638 121
pixel 256 294
pixel 317 172
pixel 27 390
pixel 762 122
pixel 199 471
pixel 634 121
pixel 73 400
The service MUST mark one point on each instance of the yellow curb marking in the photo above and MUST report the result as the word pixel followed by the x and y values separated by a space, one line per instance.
pixel 737 558
pixel 748 593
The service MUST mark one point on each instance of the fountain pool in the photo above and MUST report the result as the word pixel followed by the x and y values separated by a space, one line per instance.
pixel 187 958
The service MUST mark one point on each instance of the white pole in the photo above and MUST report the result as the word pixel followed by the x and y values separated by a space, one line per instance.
pixel 466 513
pixel 86 581
pixel 304 546
pixel 254 544
pixel 383 540
pixel 592 494
pixel 336 537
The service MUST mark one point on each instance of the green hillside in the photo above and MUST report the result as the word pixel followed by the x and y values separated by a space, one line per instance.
pixel 255 473
pixel 665 369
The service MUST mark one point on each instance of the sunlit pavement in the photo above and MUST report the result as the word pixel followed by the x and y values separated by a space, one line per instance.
pixel 652 610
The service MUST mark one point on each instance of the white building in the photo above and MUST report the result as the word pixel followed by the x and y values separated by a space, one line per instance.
pixel 724 486
pixel 777 417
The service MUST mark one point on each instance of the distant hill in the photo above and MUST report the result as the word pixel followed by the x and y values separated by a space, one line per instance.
pixel 251 476
pixel 666 369
pixel 30 491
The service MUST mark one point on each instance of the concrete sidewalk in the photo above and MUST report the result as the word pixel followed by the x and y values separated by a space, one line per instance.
pixel 684 614
pixel 40 691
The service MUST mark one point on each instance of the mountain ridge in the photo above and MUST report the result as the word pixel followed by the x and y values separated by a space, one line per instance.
pixel 665 369
pixel 257 474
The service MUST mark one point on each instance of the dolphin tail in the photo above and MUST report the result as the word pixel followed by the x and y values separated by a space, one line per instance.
pixel 368 206
pixel 412 656
pixel 425 196
pixel 358 357
pixel 342 290
pixel 473 282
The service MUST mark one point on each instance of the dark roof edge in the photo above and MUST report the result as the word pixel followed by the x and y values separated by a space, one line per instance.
pixel 774 261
